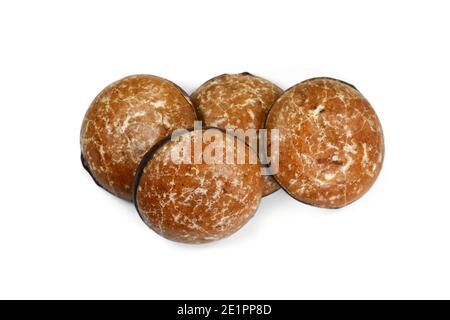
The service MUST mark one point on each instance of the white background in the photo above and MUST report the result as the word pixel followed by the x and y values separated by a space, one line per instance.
pixel 63 237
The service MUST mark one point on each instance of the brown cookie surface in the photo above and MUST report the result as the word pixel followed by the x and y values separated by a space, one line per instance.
pixel 237 101
pixel 196 202
pixel 124 121
pixel 331 142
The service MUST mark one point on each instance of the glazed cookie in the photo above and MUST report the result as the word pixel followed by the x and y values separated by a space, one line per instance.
pixel 237 101
pixel 199 201
pixel 124 121
pixel 331 142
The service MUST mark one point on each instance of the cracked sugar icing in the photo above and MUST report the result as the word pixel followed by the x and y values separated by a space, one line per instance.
pixel 124 121
pixel 331 145
pixel 197 203
pixel 237 101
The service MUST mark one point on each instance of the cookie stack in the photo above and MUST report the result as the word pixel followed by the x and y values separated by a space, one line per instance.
pixel 197 167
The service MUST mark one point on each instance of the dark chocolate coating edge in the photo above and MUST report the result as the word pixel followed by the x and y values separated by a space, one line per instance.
pixel 140 170
pixel 86 167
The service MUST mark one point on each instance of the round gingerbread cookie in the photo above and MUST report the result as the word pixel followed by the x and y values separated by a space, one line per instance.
pixel 331 142
pixel 191 201
pixel 237 101
pixel 124 121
